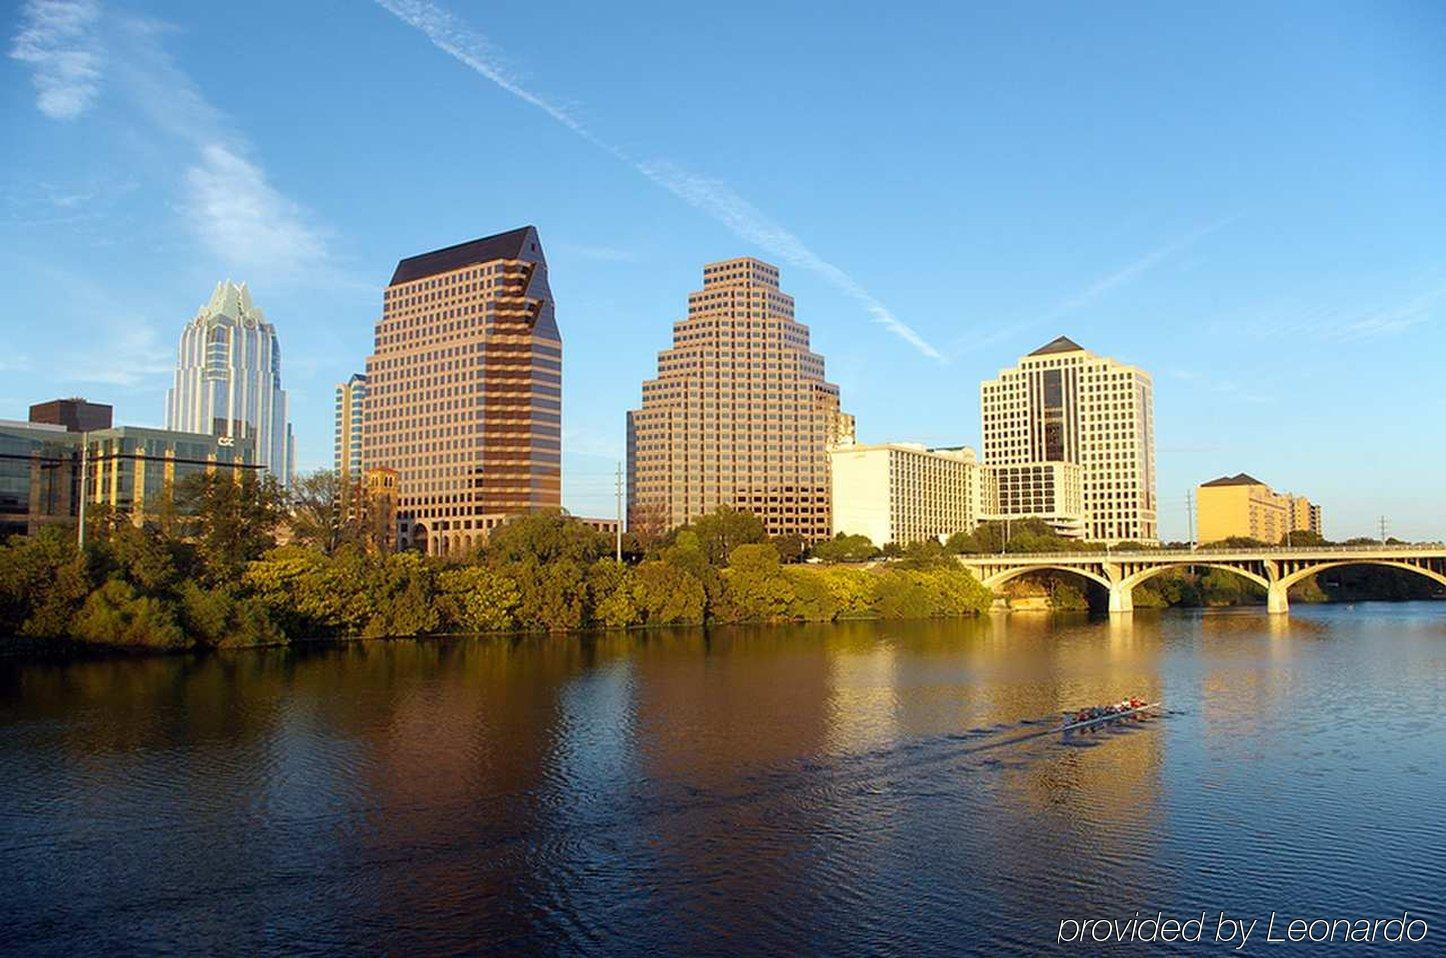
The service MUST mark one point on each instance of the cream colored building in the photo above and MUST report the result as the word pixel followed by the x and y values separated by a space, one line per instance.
pixel 1243 506
pixel 1062 403
pixel 904 492
pixel 739 413
pixel 1052 491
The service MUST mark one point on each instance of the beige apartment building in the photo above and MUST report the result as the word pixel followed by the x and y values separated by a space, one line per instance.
pixel 904 492
pixel 464 391
pixel 1243 506
pixel 739 413
pixel 1064 404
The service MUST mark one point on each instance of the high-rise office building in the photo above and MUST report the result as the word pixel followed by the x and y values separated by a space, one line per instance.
pixel 1062 403
pixel 228 380
pixel 464 391
pixel 347 445
pixel 903 492
pixel 739 413
pixel 1243 506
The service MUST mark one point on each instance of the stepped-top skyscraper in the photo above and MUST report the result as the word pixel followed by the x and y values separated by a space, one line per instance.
pixel 228 379
pixel 739 414
pixel 464 391
pixel 1065 405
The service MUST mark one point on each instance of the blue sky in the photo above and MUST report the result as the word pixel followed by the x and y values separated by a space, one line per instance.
pixel 1247 201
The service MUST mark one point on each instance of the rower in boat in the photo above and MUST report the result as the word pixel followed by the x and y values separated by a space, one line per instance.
pixel 1087 719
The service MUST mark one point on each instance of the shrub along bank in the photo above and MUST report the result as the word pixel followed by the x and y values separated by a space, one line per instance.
pixel 205 586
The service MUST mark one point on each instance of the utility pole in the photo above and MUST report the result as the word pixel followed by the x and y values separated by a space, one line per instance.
pixel 620 513
pixel 80 516
pixel 1190 516
pixel 1382 522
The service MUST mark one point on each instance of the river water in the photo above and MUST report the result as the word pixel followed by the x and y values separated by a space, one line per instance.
pixel 847 789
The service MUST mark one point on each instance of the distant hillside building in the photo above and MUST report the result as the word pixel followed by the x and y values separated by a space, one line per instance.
pixel 228 380
pixel 1243 506
pixel 464 391
pixel 1064 404
pixel 904 492
pixel 739 413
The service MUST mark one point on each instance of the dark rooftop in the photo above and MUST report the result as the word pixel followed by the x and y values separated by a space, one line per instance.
pixel 509 245
pixel 1239 479
pixel 1060 344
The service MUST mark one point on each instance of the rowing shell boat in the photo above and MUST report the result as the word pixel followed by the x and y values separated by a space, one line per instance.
pixel 1106 719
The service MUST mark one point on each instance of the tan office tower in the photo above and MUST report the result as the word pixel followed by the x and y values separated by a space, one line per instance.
pixel 464 391
pixel 1063 403
pixel 739 413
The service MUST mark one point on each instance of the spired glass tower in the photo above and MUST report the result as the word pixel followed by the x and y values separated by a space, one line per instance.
pixel 228 379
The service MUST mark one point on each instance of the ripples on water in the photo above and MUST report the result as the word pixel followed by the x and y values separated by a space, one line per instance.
pixel 830 790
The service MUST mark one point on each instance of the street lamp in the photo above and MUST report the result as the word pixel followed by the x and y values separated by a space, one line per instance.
pixel 84 465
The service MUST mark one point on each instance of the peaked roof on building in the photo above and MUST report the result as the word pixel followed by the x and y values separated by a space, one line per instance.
pixel 1239 479
pixel 1060 344
pixel 509 245
pixel 230 301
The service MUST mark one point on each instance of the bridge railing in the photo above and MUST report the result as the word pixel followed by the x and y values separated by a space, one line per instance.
pixel 1262 552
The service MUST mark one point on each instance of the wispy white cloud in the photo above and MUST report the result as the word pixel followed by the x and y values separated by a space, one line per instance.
pixel 132 355
pixel 1133 270
pixel 1095 290
pixel 57 38
pixel 228 200
pixel 1337 320
pixel 1418 309
pixel 243 218
pixel 710 196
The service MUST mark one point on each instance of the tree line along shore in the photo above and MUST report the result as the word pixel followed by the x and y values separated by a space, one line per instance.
pixel 210 570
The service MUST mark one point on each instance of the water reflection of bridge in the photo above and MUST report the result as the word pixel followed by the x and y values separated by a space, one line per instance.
pixel 1273 569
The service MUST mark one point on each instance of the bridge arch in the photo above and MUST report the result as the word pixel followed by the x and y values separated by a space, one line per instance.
pixel 1286 581
pixel 1008 575
pixel 1148 573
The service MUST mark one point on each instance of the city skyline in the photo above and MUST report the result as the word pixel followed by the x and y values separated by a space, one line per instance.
pixel 1270 305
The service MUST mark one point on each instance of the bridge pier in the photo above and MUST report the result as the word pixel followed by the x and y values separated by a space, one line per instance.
pixel 1122 598
pixel 1277 601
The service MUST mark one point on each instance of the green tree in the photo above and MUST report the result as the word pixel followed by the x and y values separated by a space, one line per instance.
pixel 320 512
pixel 790 548
pixel 925 554
pixel 611 596
pixel 724 529
pixel 115 614
pixel 553 596
pixel 844 548
pixel 544 537
pixel 232 520
pixel 755 586
pixel 479 598
pixel 667 594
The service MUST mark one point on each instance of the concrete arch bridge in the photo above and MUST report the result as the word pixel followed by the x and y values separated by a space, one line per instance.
pixel 1274 569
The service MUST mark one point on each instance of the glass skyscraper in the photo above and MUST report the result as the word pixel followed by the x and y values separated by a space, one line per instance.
pixel 228 380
